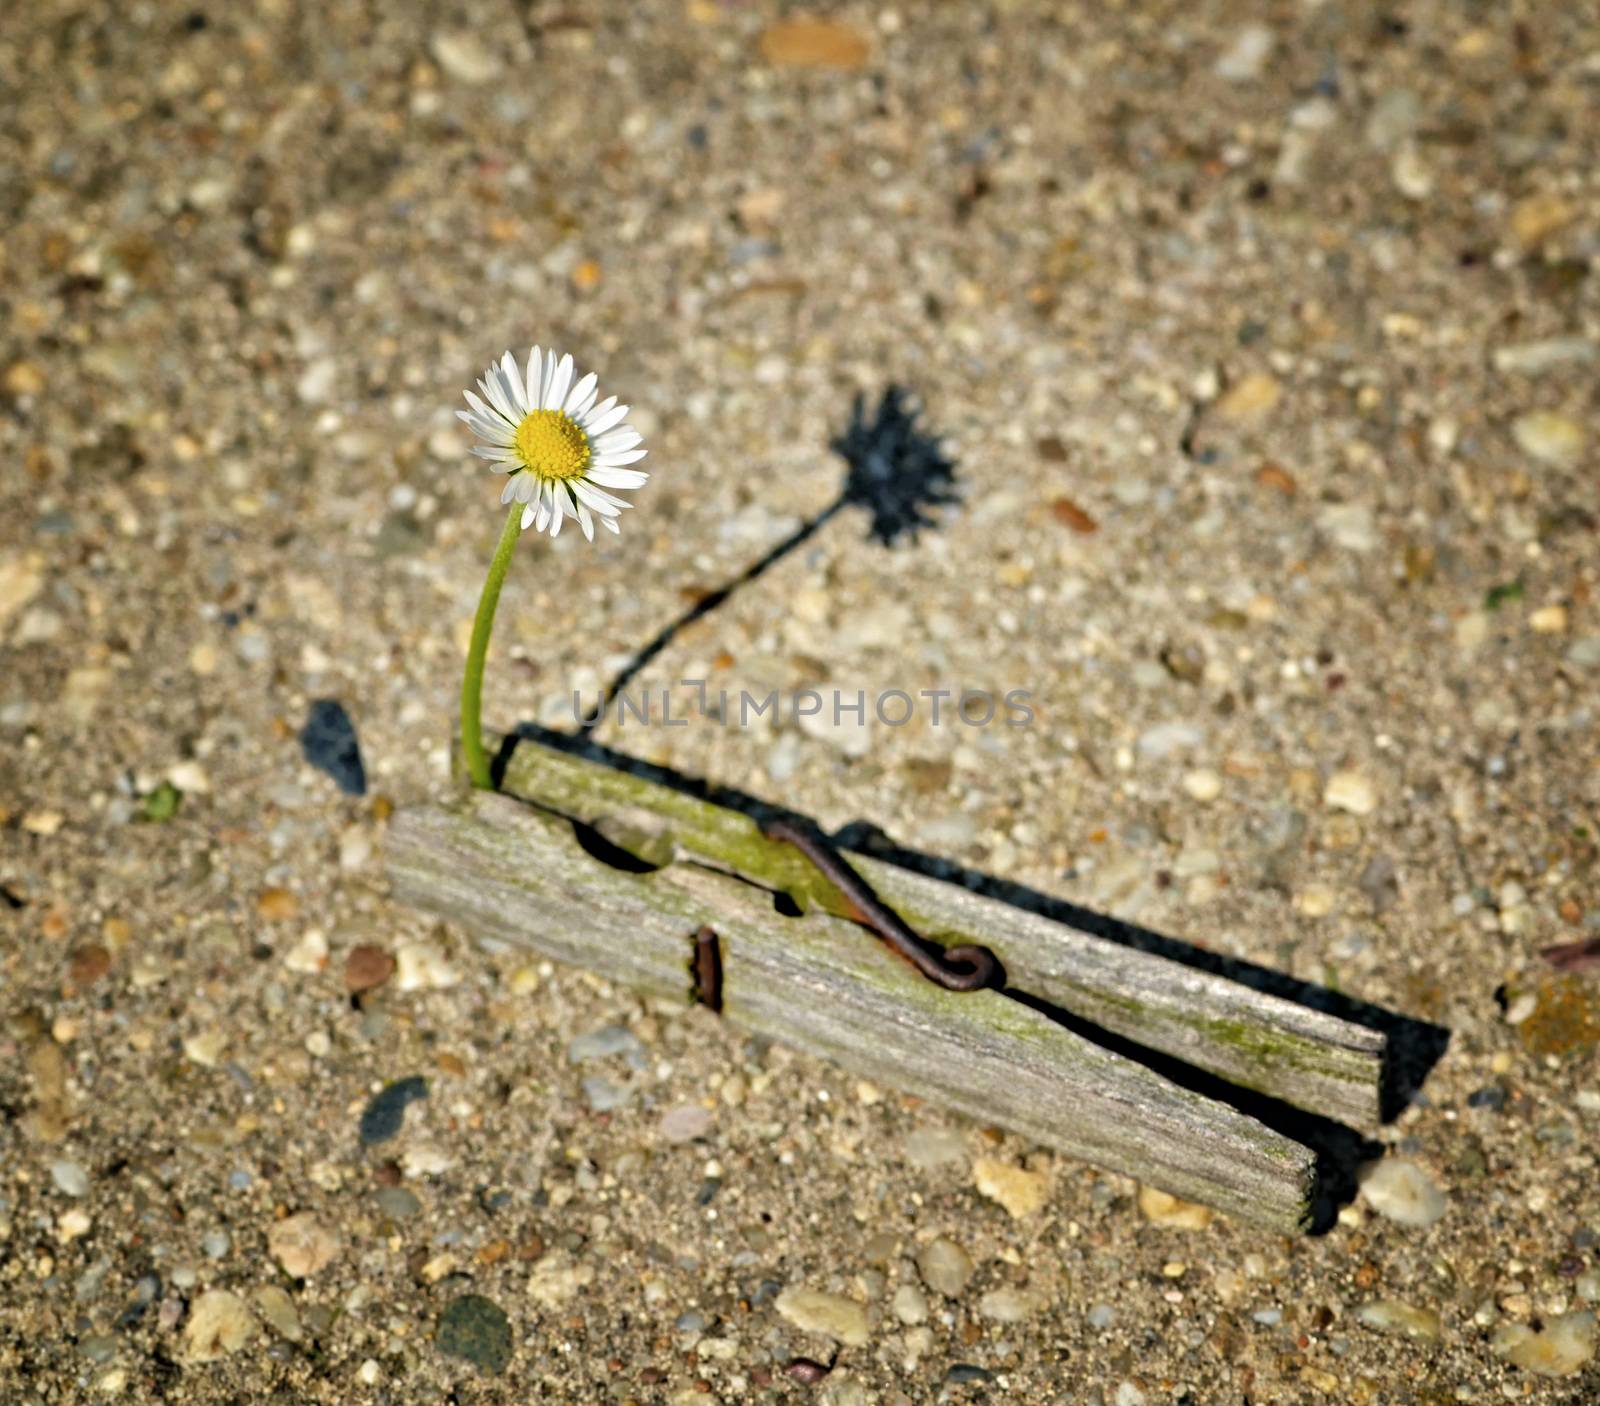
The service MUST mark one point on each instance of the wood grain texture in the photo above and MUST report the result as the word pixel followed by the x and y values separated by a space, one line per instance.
pixel 1313 1060
pixel 512 873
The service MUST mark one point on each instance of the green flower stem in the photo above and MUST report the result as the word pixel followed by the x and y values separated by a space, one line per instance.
pixel 482 624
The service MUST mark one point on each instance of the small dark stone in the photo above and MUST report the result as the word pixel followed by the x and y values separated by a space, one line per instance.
pixel 1491 1096
pixel 476 1329
pixel 1380 882
pixel 708 1190
pixel 381 1119
pixel 328 742
pixel 968 1372
pixel 807 1370
pixel 766 1291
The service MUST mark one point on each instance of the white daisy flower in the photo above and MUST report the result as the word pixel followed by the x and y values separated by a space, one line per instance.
pixel 560 449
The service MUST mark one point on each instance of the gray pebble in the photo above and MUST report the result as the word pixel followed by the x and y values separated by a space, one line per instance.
pixel 397 1202
pixel 685 1123
pixel 946 1268
pixel 602 1095
pixel 98 1347
pixel 603 1043
pixel 215 1244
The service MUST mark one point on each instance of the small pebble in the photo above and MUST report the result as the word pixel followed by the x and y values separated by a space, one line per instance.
pixel 366 967
pixel 397 1202
pixel 1006 1305
pixel 1549 437
pixel 425 1160
pixel 422 967
pixel 278 1309
pixel 928 1148
pixel 219 1324
pixel 1162 1208
pixel 960 1372
pixel 603 1043
pixel 1402 1192
pixel 1535 358
pixel 302 1244
pixel 1251 399
pixel 1548 620
pixel 685 1122
pixel 476 1328
pixel 1020 1191
pixel 328 742
pixel 910 1304
pixel 1393 1316
pixel 310 954
pixel 603 1096
pixel 945 1267
pixel 214 1244
pixel 832 1315
pixel 1565 1344
pixel 464 57
pixel 1351 791
pixel 385 1113
pixel 1204 785
pixel 70 1178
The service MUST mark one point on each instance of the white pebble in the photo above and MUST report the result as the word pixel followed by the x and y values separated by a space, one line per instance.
pixel 1351 791
pixel 1564 1345
pixel 1402 1192
pixel 1245 58
pixel 420 966
pixel 70 1178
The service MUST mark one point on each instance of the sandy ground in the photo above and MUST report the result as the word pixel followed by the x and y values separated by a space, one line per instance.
pixel 1264 341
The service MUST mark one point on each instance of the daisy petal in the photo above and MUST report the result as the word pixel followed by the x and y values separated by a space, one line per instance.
pixel 527 486
pixel 617 460
pixel 579 393
pixel 556 393
pixel 494 453
pixel 619 478
pixel 509 492
pixel 489 413
pixel 511 378
pixel 599 424
pixel 535 377
pixel 612 524
pixel 495 431
pixel 527 518
pixel 496 395
pixel 593 498
pixel 596 411
pixel 597 496
pixel 617 439
pixel 585 522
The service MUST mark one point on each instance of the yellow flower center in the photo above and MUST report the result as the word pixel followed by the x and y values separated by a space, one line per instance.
pixel 552 445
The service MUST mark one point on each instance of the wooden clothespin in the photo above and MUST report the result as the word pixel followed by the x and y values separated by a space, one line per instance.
pixel 685 899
